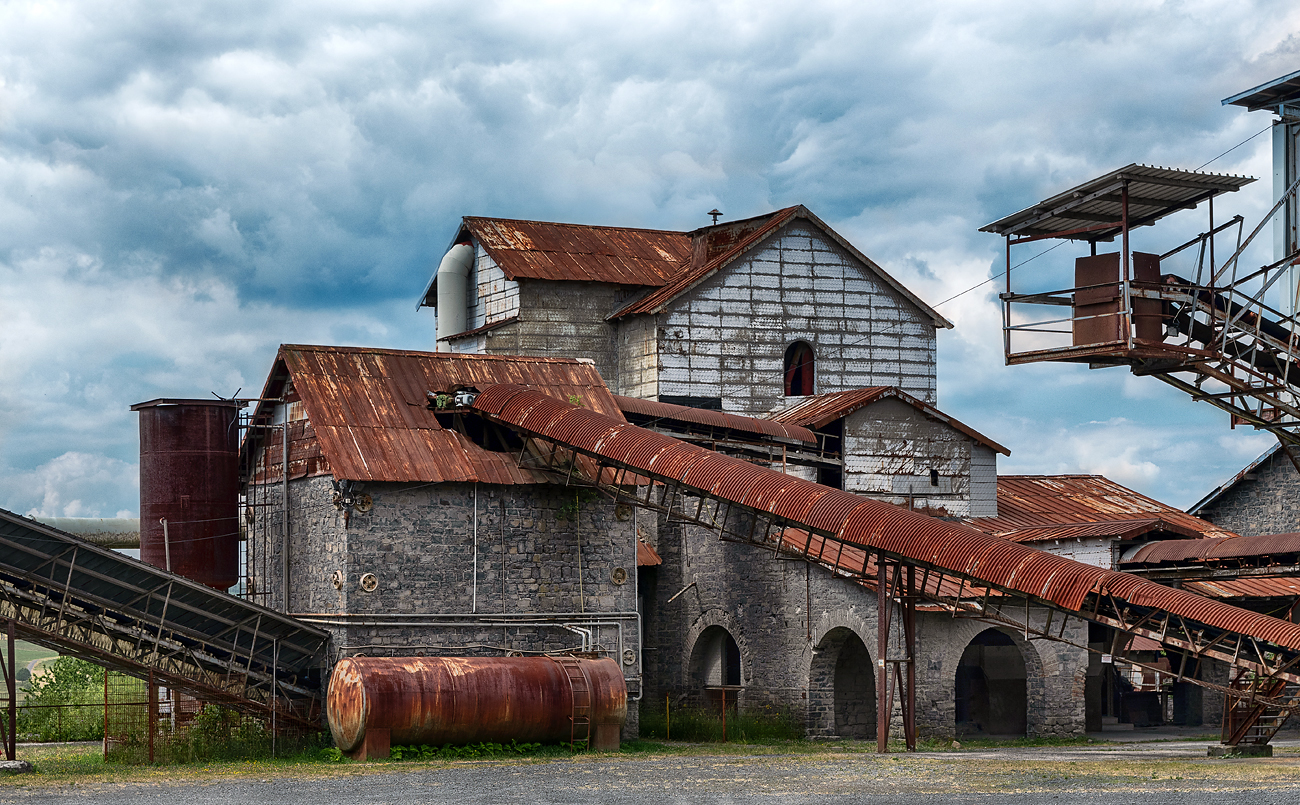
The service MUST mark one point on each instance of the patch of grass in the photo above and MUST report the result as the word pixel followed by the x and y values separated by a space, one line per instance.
pixel 753 726
pixel 945 744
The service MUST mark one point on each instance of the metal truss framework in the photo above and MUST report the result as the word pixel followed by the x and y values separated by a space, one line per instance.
pixel 1266 680
pixel 86 602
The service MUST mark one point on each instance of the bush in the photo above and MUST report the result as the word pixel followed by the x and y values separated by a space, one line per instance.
pixel 467 752
pixel 64 703
pixel 767 724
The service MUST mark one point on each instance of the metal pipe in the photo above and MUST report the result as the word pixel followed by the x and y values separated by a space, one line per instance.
pixel 284 475
pixel 473 601
pixel 167 545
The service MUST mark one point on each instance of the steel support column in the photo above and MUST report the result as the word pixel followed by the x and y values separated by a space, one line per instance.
pixel 11 689
pixel 883 610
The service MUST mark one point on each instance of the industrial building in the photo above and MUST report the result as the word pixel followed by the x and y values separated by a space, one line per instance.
pixel 644 469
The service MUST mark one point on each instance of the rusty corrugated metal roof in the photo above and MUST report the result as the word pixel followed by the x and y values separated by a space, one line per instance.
pixel 369 412
pixel 647 556
pixel 821 410
pixel 715 247
pixel 854 520
pixel 1040 507
pixel 1281 587
pixel 549 251
pixel 1209 550
pixel 683 414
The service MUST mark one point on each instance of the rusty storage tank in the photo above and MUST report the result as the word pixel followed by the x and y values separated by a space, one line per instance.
pixel 377 701
pixel 189 476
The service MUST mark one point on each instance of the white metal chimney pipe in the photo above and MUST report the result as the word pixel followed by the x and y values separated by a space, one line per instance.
pixel 453 277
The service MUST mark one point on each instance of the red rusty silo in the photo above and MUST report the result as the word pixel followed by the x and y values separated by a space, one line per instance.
pixel 189 476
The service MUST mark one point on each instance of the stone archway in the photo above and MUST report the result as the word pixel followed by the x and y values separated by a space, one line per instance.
pixel 715 669
pixel 842 687
pixel 991 690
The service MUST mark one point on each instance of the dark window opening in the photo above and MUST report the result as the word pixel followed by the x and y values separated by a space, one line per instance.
pixel 707 403
pixel 934 477
pixel 800 375
pixel 487 435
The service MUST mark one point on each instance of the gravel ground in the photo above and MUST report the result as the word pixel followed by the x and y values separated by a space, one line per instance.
pixel 1152 774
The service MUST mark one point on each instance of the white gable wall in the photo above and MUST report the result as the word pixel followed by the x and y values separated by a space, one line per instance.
pixel 727 337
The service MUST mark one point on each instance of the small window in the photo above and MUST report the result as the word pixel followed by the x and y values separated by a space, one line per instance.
pixel 800 376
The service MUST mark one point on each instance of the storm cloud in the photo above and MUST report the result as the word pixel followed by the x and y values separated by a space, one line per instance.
pixel 185 186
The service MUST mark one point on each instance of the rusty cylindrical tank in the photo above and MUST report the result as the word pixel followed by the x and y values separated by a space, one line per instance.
pixel 375 701
pixel 189 476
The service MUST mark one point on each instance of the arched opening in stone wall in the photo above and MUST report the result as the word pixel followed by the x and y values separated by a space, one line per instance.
pixel 715 667
pixel 992 687
pixel 843 686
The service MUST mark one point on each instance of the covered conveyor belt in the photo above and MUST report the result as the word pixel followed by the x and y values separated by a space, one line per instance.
pixel 90 602
pixel 911 556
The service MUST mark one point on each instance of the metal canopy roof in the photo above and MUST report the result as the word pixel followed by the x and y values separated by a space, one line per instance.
pixel 1082 212
pixel 1269 94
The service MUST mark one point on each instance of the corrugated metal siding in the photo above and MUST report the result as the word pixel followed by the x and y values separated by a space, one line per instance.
pixel 1282 546
pixel 865 523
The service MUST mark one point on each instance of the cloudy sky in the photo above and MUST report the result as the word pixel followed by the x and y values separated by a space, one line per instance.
pixel 184 186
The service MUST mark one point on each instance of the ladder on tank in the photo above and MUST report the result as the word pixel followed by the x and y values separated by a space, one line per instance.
pixel 580 718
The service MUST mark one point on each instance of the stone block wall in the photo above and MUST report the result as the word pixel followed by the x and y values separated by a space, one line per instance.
pixel 792 621
pixel 444 590
pixel 1266 504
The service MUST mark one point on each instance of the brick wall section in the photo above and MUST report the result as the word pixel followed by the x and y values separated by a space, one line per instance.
pixel 1266 505
pixel 419 543
pixel 764 604
pixel 727 337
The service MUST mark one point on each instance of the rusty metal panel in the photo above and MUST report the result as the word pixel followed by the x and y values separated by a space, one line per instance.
pixel 461 700
pixel 550 251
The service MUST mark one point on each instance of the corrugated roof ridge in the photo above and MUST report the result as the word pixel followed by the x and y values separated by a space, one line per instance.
pixel 576 226
pixel 424 353
pixel 695 275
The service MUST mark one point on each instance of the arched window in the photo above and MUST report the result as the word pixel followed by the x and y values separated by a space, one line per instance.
pixel 800 376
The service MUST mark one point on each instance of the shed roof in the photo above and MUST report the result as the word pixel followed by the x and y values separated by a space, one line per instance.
pixel 369 409
pixel 820 410
pixel 542 250
pixel 716 247
pixel 1269 94
pixel 1033 508
pixel 1153 193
